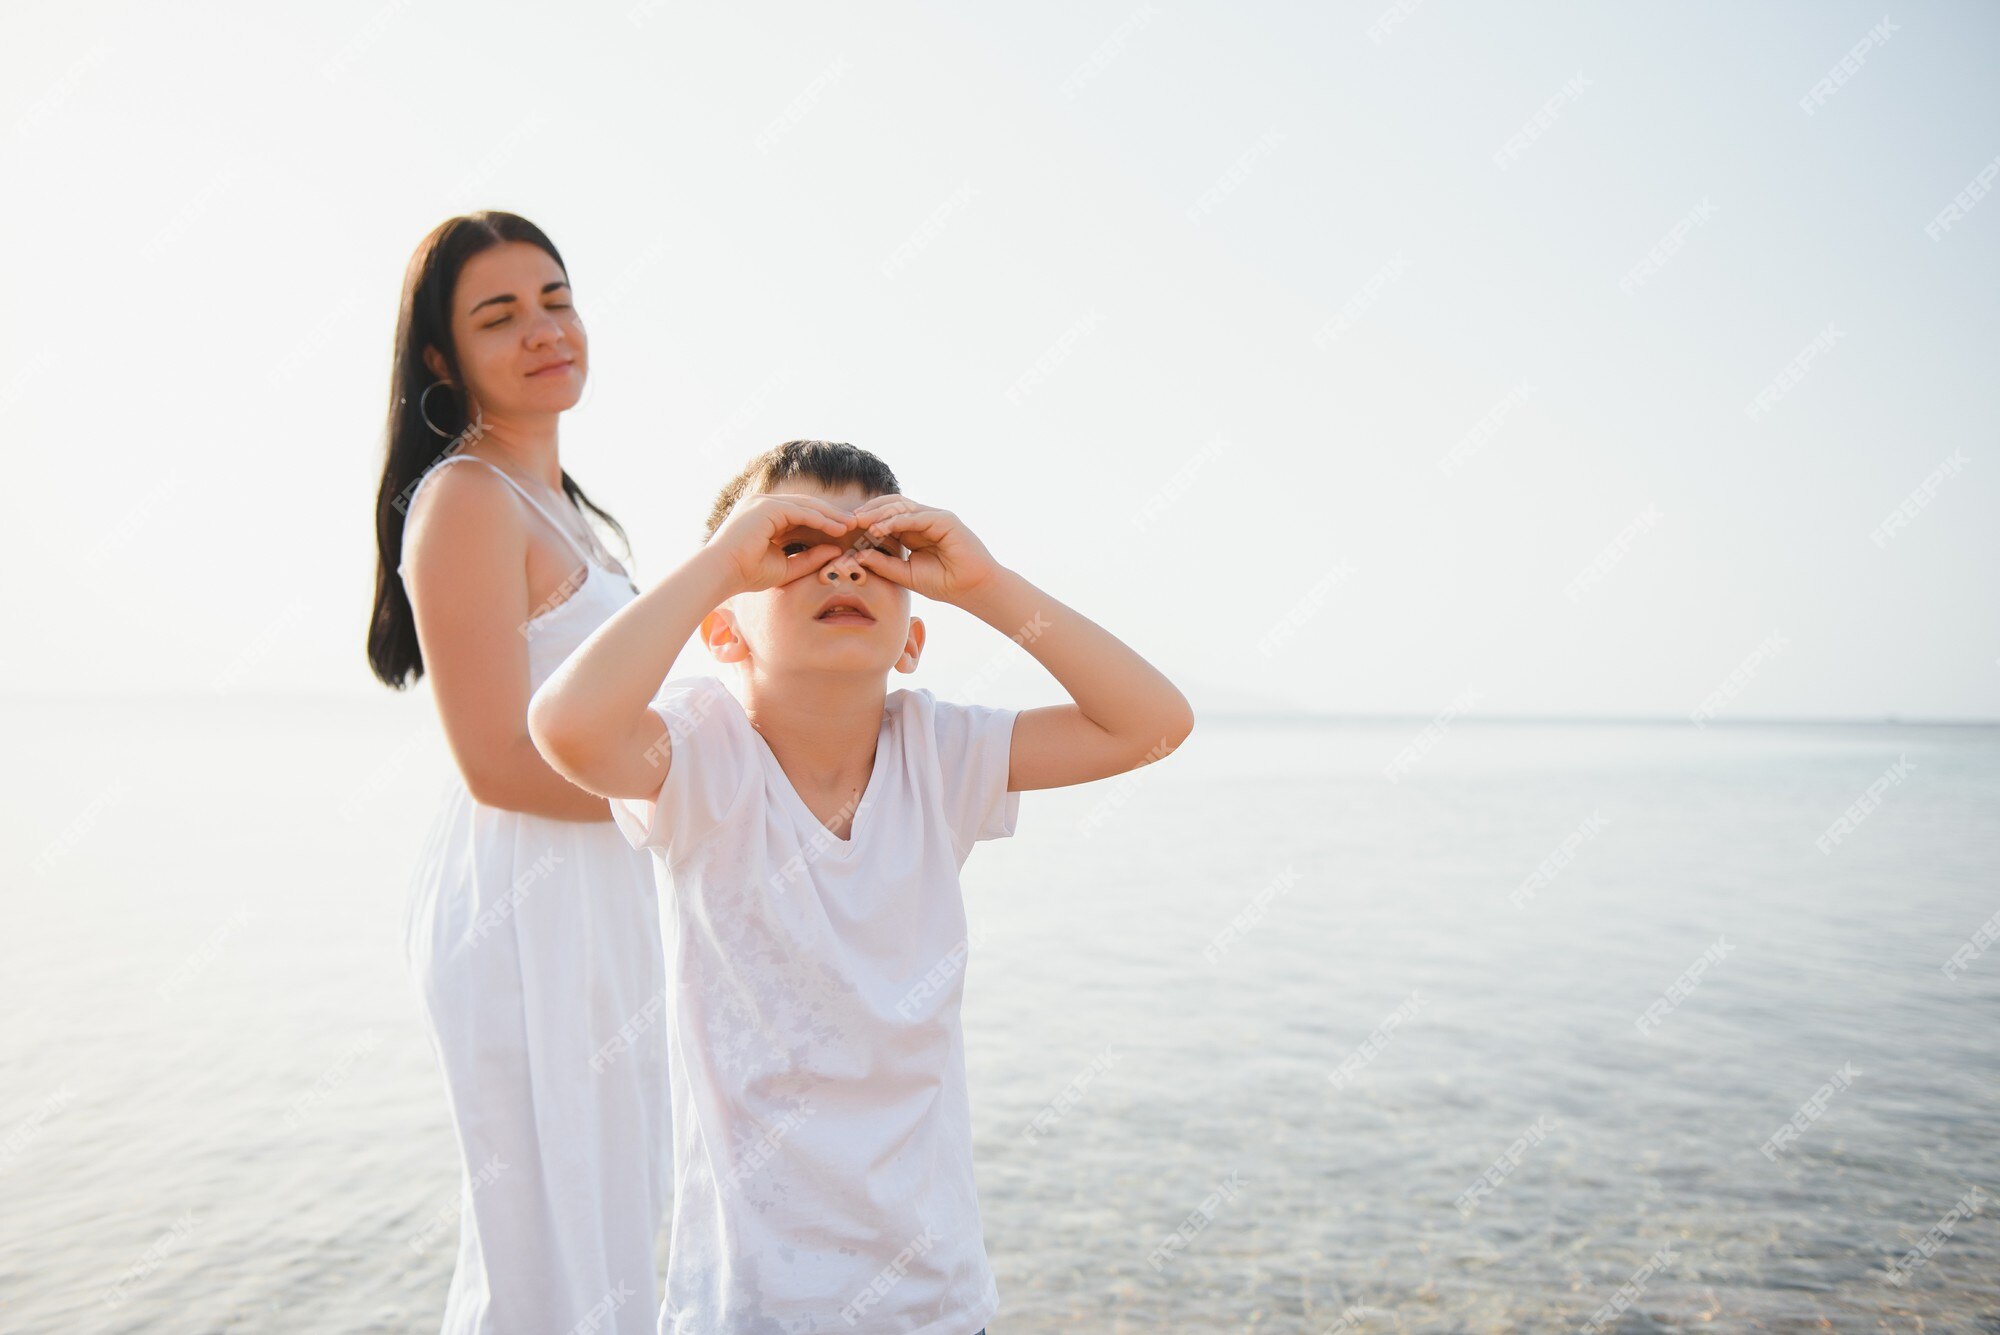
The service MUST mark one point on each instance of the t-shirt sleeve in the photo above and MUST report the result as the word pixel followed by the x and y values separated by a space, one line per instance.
pixel 705 771
pixel 974 747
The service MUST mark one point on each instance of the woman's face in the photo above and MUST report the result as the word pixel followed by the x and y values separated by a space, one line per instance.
pixel 521 347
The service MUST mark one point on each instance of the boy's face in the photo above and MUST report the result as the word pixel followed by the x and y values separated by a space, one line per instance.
pixel 788 628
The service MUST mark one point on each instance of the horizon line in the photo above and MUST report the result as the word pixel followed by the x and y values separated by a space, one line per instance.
pixel 1241 715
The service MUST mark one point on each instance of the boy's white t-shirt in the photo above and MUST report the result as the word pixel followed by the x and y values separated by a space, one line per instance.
pixel 822 1138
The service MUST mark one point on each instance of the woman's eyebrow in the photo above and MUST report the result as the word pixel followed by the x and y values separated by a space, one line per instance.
pixel 509 296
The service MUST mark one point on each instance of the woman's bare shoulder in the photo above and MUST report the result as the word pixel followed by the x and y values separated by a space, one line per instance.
pixel 466 510
pixel 452 493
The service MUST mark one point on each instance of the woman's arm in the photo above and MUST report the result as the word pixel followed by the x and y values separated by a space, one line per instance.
pixel 466 547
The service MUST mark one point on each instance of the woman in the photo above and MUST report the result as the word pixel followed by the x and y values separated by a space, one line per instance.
pixel 533 928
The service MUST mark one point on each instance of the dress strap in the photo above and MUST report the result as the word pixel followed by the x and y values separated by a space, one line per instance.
pixel 567 536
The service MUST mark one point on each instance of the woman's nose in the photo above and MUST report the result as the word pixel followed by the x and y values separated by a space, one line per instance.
pixel 545 329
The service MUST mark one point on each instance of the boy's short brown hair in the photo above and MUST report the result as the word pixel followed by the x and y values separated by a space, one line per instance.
pixel 832 464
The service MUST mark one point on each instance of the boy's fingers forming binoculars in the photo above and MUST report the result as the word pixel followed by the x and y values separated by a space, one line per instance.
pixel 890 567
pixel 815 513
pixel 930 523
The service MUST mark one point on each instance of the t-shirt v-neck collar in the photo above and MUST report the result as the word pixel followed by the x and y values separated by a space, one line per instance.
pixel 812 826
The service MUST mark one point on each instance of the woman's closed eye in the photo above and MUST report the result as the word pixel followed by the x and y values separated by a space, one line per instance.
pixel 495 324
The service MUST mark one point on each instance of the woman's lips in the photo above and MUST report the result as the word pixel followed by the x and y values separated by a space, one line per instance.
pixel 551 370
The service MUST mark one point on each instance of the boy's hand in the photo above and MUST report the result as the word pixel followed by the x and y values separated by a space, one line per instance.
pixel 748 538
pixel 946 561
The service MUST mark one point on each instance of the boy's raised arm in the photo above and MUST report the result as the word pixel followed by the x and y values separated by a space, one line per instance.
pixel 591 719
pixel 1126 713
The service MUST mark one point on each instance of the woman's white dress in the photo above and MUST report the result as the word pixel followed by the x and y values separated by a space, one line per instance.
pixel 535 946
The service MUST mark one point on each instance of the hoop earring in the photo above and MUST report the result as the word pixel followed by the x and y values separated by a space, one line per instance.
pixel 424 413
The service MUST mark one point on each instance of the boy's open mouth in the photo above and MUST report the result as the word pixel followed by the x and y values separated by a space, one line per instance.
pixel 844 607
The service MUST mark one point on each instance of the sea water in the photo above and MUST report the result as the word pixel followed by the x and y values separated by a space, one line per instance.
pixel 1318 1026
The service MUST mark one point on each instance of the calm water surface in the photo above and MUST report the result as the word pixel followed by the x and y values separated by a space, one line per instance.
pixel 1259 1040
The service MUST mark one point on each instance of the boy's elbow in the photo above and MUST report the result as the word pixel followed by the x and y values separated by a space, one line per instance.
pixel 1180 724
pixel 1173 728
pixel 553 732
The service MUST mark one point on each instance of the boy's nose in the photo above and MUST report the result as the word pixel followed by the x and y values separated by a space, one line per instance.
pixel 846 566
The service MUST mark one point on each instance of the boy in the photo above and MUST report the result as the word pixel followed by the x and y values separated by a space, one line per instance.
pixel 809 827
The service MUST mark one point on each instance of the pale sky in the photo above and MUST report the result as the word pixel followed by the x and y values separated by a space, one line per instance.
pixel 1313 350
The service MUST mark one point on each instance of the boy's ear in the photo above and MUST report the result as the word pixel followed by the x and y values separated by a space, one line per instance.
pixel 913 647
pixel 718 632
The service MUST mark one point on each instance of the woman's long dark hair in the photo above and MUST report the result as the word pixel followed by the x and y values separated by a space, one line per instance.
pixel 412 447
